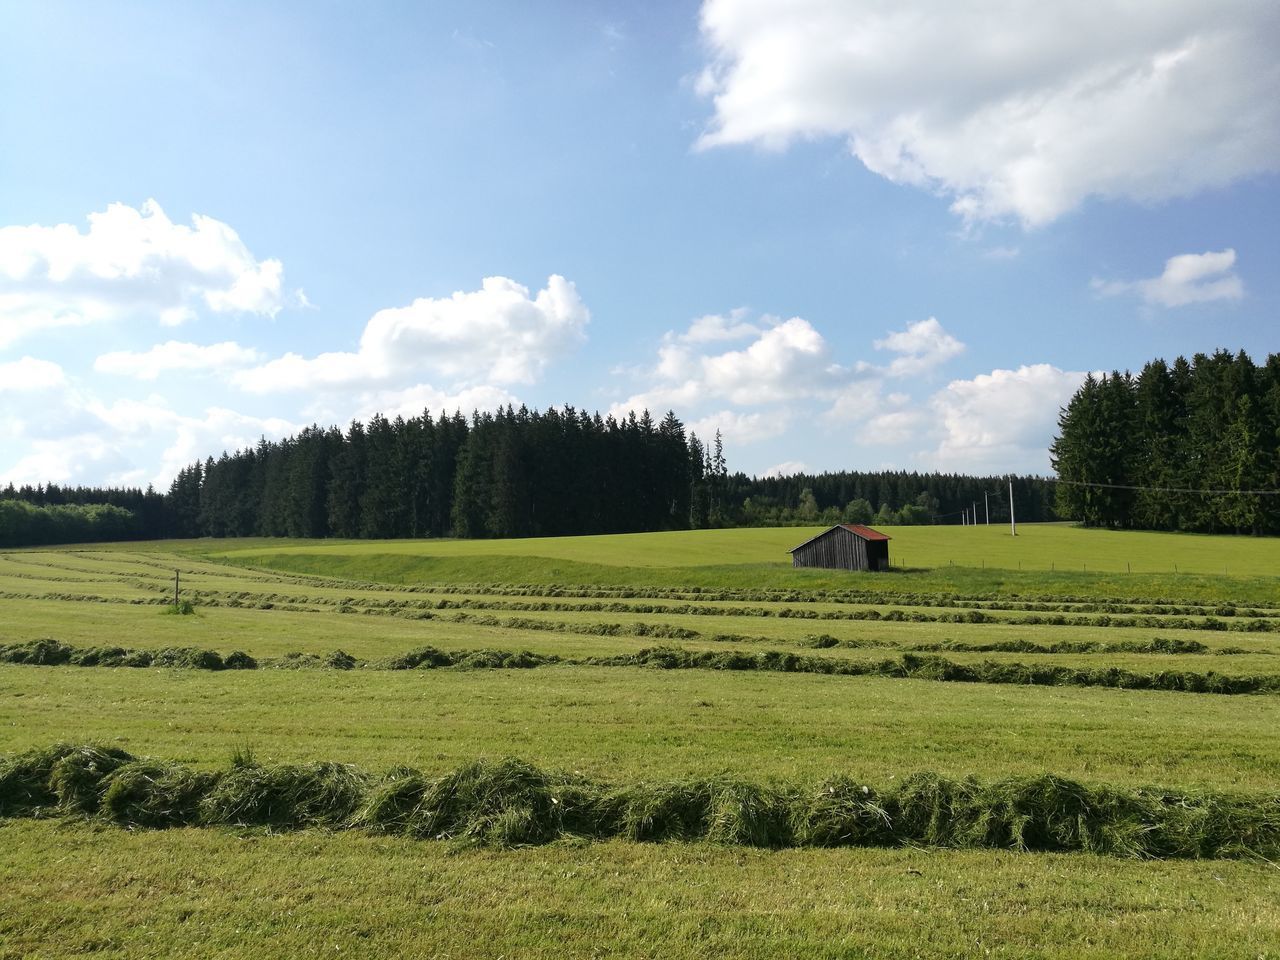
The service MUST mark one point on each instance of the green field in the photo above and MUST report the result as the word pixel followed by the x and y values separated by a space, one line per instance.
pixel 1052 559
pixel 70 885
pixel 1036 547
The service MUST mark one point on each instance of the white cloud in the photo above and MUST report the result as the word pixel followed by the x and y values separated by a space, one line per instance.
pixel 29 374
pixel 126 432
pixel 129 264
pixel 215 430
pixel 742 428
pixel 173 355
pixel 69 437
pixel 858 400
pixel 788 468
pixel 1012 109
pixel 1000 421
pixel 893 428
pixel 921 347
pixel 412 401
pixel 715 327
pixel 1187 278
pixel 498 334
pixel 1002 253
pixel 784 361
pixel 83 459
pixel 784 377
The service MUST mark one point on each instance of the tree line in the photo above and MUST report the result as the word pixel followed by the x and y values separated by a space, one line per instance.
pixel 24 524
pixel 1174 448
pixel 511 473
pixel 887 498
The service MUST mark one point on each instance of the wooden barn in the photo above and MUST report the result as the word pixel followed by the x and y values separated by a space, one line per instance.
pixel 846 546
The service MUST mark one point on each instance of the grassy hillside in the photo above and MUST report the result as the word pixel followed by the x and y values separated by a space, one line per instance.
pixel 71 885
pixel 1042 559
pixel 1037 547
pixel 75 890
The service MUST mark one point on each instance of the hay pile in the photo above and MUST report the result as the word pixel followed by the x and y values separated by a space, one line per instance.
pixel 51 653
pixel 510 803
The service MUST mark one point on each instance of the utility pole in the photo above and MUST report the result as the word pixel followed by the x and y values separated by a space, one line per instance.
pixel 975 513
pixel 1013 523
pixel 986 505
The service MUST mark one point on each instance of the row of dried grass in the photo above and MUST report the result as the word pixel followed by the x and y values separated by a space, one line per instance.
pixel 509 803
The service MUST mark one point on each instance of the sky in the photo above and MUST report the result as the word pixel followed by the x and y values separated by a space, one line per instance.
pixel 848 234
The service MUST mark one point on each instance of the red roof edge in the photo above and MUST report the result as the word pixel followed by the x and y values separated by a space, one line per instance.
pixel 866 533
pixel 857 529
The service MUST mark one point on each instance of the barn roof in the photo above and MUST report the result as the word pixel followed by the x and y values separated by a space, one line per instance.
pixel 866 533
pixel 857 529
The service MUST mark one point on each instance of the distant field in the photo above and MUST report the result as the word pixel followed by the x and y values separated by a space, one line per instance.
pixel 71 887
pixel 1037 547
pixel 1052 559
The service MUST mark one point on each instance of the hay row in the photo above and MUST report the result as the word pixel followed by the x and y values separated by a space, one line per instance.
pixel 87 598
pixel 1246 620
pixel 910 616
pixel 52 653
pixel 508 803
pixel 428 610
pixel 1050 602
pixel 1164 646
pixel 914 666
pixel 909 666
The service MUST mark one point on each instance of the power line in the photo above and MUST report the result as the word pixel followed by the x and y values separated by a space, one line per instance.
pixel 1125 486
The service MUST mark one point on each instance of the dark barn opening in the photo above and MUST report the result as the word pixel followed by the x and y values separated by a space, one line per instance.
pixel 846 546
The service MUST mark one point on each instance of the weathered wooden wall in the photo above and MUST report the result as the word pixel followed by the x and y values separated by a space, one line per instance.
pixel 838 549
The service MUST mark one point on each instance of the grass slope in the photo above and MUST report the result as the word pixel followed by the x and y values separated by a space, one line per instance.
pixel 1037 546
pixel 1043 558
pixel 66 887
pixel 73 889
pixel 633 723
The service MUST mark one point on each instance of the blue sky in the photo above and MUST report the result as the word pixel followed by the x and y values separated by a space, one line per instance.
pixel 847 234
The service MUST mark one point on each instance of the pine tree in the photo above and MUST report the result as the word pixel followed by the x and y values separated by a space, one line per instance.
pixel 346 483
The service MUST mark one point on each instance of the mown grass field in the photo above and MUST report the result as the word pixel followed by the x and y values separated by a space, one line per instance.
pixel 71 885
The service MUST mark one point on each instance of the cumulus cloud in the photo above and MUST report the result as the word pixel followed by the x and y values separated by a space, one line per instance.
pixel 742 428
pixel 893 428
pixel 173 355
pixel 783 361
pixel 413 401
pixel 857 400
pixel 1187 278
pixel 214 430
pixel 1000 421
pixel 784 372
pixel 921 347
pixel 1014 110
pixel 715 328
pixel 788 468
pixel 498 334
pixel 131 263
pixel 74 438
pixel 30 375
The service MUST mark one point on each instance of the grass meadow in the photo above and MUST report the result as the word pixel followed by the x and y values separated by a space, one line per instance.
pixel 1057 596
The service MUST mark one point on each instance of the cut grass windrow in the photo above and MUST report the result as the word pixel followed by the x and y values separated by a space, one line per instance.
pixel 907 666
pixel 991 600
pixel 1164 646
pixel 430 609
pixel 509 803
pixel 797 594
pixel 52 653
